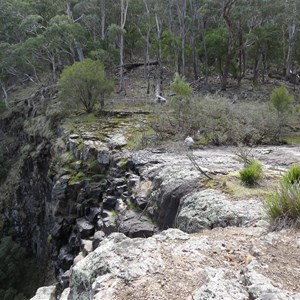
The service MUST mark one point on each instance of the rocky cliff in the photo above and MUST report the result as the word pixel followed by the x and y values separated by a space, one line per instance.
pixel 77 194
pixel 69 186
pixel 226 252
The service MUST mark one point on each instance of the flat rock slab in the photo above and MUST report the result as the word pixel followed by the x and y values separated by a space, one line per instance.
pixel 223 263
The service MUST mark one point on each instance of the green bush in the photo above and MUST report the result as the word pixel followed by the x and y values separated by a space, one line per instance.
pixel 252 173
pixel 181 87
pixel 217 121
pixel 84 83
pixel 284 203
pixel 292 175
pixel 281 99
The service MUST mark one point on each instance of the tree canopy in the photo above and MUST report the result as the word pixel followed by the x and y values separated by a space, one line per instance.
pixel 196 38
pixel 84 83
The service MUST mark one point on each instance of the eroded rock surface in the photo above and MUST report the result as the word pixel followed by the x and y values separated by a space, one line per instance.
pixel 140 187
pixel 210 208
pixel 217 264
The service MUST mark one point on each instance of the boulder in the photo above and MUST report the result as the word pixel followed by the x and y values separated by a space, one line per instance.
pixel 86 247
pixel 74 241
pixel 65 258
pixel 92 213
pixel 97 238
pixel 85 228
pixel 133 181
pixel 65 294
pixel 110 257
pixel 141 201
pixel 109 202
pixel 78 258
pixel 211 208
pixel 168 200
pixel 96 150
pixel 45 293
pixel 109 222
pixel 134 225
pixel 120 206
pixel 65 279
pixel 117 141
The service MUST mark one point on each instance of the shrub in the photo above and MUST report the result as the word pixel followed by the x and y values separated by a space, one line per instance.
pixel 292 175
pixel 181 87
pixel 284 203
pixel 251 174
pixel 281 99
pixel 217 121
pixel 84 83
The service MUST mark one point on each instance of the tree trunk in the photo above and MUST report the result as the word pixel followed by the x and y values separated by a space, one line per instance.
pixel 256 67
pixel 124 8
pixel 147 64
pixel 241 56
pixel 103 17
pixel 5 96
pixel 194 54
pixel 205 55
pixel 77 45
pixel 181 11
pixel 196 28
pixel 159 58
pixel 69 10
pixel 264 68
pixel 79 52
pixel 292 36
pixel 121 74
pixel 146 51
pixel 230 42
pixel 53 69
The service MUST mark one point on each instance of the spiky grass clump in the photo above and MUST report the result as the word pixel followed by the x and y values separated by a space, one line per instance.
pixel 282 207
pixel 284 204
pixel 251 174
pixel 292 175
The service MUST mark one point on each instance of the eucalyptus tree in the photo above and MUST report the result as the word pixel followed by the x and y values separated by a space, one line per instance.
pixel 123 17
pixel 292 11
pixel 228 4
pixel 181 7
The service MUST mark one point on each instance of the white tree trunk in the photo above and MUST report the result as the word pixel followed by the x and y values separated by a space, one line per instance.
pixel 147 45
pixel 292 35
pixel 5 96
pixel 103 16
pixel 159 59
pixel 79 52
pixel 124 8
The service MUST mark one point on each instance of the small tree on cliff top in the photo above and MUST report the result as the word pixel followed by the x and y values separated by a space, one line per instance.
pixel 84 83
pixel 281 100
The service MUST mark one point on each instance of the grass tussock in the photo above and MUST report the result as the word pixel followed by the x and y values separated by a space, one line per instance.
pixel 282 207
pixel 252 173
